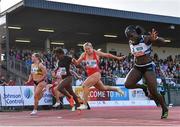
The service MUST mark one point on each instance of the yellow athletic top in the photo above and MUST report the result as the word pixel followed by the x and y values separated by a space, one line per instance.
pixel 36 70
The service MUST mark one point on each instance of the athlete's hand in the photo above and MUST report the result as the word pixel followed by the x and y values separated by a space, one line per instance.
pixel 26 82
pixel 74 61
pixel 153 35
pixel 56 83
pixel 122 57
pixel 79 77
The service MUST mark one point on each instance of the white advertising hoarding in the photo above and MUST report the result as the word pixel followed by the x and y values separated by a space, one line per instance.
pixel 11 96
pixel 97 98
pixel 22 96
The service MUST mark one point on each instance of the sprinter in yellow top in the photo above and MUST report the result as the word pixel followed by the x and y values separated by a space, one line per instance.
pixel 38 75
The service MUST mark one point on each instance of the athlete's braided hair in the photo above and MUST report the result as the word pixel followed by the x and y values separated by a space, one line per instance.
pixel 131 28
pixel 59 50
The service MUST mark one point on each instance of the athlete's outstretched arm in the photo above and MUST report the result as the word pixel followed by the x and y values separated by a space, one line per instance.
pixel 29 79
pixel 108 55
pixel 77 62
pixel 153 37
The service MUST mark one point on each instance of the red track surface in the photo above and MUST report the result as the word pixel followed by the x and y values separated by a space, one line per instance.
pixel 119 116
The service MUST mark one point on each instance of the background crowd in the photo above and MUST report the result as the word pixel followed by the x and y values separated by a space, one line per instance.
pixel 169 67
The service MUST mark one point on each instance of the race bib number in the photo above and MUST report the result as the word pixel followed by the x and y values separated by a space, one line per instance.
pixel 138 51
pixel 91 63
pixel 34 70
pixel 61 71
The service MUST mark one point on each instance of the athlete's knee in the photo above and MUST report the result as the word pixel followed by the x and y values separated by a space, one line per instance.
pixel 127 85
pixel 36 96
pixel 104 88
pixel 85 87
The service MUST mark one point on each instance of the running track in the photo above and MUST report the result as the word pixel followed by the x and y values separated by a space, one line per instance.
pixel 119 116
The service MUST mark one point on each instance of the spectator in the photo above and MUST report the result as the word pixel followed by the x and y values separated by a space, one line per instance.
pixel 11 83
pixel 3 81
pixel 109 68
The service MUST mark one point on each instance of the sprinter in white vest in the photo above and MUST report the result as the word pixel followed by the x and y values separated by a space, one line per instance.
pixel 140 46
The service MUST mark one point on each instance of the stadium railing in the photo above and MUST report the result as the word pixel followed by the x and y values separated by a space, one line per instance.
pixel 18 67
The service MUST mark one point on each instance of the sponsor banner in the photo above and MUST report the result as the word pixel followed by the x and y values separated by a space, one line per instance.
pixel 137 94
pixel 121 81
pixel 11 96
pixel 28 96
pixel 46 99
pixel 1 95
pixel 95 95
pixel 116 96
pixel 121 103
pixel 22 96
pixel 97 98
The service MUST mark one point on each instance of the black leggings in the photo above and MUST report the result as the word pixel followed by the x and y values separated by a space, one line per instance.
pixel 65 87
pixel 149 75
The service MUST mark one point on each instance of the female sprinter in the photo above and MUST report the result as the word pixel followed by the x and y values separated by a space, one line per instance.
pixel 91 58
pixel 65 86
pixel 140 46
pixel 38 75
pixel 54 86
pixel 53 89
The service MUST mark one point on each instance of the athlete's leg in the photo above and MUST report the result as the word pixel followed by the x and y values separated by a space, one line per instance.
pixel 38 94
pixel 102 87
pixel 71 92
pixel 150 78
pixel 89 82
pixel 132 79
pixel 58 96
pixel 61 87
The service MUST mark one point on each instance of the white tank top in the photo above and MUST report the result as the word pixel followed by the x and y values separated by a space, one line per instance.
pixel 141 48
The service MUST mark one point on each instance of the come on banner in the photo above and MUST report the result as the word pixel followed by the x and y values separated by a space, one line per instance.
pixel 24 96
pixel 109 98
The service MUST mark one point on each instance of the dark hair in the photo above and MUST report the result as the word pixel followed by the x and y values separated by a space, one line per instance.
pixel 59 50
pixel 140 30
pixel 131 28
pixel 37 55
